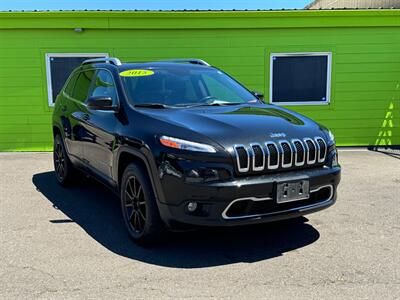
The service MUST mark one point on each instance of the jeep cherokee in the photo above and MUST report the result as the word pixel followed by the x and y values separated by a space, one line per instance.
pixel 183 143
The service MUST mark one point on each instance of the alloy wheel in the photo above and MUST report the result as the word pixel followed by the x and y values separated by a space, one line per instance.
pixel 59 161
pixel 135 205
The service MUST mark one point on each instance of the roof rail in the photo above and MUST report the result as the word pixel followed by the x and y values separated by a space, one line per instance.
pixel 110 60
pixel 194 61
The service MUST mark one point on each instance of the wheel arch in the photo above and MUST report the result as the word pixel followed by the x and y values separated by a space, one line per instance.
pixel 128 155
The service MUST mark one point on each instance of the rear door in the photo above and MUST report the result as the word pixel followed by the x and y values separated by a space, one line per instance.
pixel 63 102
pixel 74 112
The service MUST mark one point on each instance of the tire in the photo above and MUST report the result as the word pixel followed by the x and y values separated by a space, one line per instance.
pixel 63 168
pixel 139 207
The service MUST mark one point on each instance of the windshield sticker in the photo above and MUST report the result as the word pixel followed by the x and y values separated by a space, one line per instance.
pixel 136 73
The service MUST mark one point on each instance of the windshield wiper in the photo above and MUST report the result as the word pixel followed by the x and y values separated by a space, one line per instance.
pixel 217 104
pixel 152 105
pixel 186 105
pixel 225 103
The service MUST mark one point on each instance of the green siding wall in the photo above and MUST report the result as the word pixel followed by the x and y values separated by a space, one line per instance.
pixel 365 91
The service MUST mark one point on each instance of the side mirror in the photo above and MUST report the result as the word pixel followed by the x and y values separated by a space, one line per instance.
pixel 258 95
pixel 100 103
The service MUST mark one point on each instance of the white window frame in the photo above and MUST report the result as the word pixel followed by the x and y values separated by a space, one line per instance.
pixel 48 57
pixel 328 77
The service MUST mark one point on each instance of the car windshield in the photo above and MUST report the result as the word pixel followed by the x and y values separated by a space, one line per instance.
pixel 182 86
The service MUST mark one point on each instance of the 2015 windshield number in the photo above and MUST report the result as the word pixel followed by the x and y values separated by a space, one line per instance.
pixel 134 73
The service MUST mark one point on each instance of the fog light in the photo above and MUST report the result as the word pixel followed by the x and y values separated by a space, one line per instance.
pixel 192 206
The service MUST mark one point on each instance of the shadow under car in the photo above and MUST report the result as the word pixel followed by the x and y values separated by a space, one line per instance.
pixel 97 210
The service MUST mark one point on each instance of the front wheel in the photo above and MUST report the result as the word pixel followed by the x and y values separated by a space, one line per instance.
pixel 139 207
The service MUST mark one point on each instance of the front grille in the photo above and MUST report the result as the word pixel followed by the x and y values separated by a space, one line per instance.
pixel 284 154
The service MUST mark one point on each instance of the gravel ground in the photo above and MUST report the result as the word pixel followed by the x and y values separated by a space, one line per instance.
pixel 71 243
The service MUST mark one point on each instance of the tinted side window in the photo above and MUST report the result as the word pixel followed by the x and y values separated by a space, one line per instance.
pixel 82 85
pixel 70 86
pixel 103 85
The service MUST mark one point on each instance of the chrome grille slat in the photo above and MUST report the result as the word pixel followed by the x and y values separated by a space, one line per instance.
pixel 317 150
pixel 296 154
pixel 284 164
pixel 242 169
pixel 258 157
pixel 269 166
pixel 257 168
pixel 322 148
pixel 310 161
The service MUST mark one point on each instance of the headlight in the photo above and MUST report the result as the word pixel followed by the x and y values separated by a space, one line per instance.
pixel 176 143
pixel 334 160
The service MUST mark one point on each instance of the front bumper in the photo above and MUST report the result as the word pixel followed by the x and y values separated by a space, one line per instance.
pixel 215 199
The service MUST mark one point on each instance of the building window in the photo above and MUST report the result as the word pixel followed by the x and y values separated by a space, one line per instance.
pixel 58 68
pixel 300 78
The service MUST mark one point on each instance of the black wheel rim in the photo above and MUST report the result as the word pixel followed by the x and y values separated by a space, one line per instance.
pixel 59 161
pixel 135 205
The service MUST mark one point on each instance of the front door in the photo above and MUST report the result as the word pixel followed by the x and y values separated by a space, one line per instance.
pixel 100 126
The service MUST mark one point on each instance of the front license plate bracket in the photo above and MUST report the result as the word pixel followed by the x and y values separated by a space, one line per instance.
pixel 292 191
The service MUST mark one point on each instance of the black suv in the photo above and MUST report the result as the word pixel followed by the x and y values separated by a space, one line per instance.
pixel 183 143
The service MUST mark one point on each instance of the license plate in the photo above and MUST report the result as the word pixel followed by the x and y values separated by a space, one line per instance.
pixel 292 191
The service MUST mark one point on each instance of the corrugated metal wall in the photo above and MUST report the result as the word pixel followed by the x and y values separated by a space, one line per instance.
pixel 354 4
pixel 365 102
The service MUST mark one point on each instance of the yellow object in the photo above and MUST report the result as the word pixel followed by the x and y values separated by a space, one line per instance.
pixel 135 73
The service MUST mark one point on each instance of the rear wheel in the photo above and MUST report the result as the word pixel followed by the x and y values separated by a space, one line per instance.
pixel 139 207
pixel 63 168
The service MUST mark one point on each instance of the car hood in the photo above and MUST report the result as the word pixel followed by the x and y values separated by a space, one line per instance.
pixel 239 124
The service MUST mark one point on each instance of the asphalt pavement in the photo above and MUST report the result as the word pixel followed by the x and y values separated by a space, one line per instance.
pixel 71 243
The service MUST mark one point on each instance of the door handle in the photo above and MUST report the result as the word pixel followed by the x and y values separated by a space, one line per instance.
pixel 85 117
